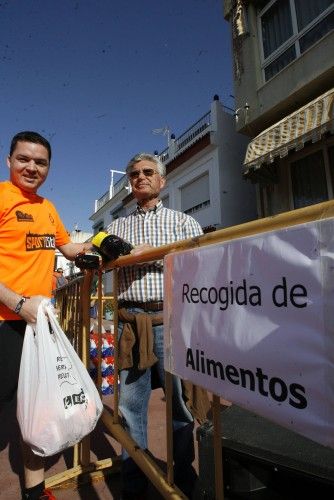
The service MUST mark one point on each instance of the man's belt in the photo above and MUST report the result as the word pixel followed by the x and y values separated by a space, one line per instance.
pixel 146 306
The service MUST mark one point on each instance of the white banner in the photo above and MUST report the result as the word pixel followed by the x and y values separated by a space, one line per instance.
pixel 252 320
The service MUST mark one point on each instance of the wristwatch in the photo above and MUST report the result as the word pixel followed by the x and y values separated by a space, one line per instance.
pixel 20 304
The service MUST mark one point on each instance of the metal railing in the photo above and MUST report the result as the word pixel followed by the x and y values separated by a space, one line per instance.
pixel 77 303
pixel 68 304
pixel 102 201
pixel 200 128
pixel 120 184
pixel 191 135
pixel 284 220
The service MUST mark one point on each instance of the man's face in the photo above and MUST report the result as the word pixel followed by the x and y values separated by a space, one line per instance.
pixel 145 180
pixel 28 165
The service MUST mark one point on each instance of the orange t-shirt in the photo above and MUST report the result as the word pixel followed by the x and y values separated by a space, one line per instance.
pixel 30 230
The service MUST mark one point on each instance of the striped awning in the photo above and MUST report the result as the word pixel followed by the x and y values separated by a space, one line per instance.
pixel 308 123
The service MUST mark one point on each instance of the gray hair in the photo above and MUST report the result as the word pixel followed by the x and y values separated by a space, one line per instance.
pixel 149 157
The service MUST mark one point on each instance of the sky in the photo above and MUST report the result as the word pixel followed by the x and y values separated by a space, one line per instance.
pixel 95 77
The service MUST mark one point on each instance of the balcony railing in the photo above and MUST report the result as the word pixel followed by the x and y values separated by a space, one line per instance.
pixel 192 134
pixel 102 201
pixel 120 184
pixel 200 128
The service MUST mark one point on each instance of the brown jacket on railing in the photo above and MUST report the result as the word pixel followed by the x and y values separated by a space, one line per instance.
pixel 140 324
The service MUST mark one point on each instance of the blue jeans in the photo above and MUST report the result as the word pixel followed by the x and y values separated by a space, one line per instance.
pixel 135 391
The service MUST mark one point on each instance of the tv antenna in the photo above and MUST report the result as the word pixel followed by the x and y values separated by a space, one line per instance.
pixel 165 131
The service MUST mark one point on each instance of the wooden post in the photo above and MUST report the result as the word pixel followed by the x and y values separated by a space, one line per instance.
pixel 116 396
pixel 84 445
pixel 169 426
pixel 99 331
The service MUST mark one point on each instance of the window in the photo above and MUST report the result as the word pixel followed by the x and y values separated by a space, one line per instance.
pixel 195 195
pixel 280 62
pixel 276 26
pixel 289 27
pixel 197 207
pixel 309 184
pixel 317 32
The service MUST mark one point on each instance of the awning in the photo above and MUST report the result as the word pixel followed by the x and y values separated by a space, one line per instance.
pixel 308 123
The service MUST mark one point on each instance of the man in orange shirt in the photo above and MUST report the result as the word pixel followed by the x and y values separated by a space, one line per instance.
pixel 30 231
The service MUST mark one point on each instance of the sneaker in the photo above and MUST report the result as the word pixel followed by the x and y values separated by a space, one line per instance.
pixel 47 495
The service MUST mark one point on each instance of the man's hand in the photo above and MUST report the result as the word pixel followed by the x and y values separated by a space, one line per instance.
pixel 30 307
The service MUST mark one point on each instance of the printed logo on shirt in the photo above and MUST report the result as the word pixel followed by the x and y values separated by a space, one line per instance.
pixel 40 242
pixel 23 217
pixel 51 219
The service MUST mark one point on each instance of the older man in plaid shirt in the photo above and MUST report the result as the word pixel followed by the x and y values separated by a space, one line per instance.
pixel 141 290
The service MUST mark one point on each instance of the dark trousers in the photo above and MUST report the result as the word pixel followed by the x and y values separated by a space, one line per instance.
pixel 183 456
pixel 11 343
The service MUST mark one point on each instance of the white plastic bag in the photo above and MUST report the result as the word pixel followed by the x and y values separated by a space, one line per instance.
pixel 57 401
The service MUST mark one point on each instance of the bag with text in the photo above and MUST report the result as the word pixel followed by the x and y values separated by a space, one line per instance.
pixel 57 401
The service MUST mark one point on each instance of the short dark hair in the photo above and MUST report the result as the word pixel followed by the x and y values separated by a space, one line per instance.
pixel 28 136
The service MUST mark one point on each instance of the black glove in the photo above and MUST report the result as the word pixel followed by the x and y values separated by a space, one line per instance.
pixel 111 247
pixel 87 261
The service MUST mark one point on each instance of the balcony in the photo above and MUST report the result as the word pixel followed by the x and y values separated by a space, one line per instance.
pixel 102 201
pixel 113 191
pixel 191 135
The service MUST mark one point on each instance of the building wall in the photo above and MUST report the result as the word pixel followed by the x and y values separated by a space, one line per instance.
pixel 302 80
pixel 232 198
pixel 237 194
pixel 261 104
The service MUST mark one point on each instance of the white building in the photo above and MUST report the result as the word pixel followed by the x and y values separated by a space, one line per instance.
pixel 204 177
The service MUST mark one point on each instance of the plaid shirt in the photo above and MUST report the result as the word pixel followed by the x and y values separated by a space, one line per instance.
pixel 157 226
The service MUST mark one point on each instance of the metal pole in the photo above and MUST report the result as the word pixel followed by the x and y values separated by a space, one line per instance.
pixel 116 397
pixel 169 426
